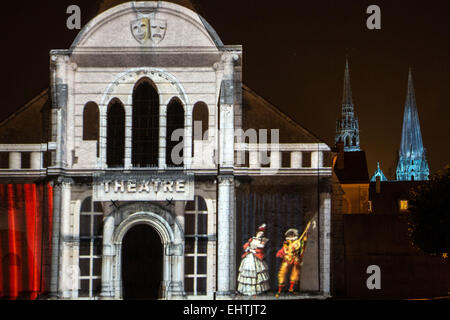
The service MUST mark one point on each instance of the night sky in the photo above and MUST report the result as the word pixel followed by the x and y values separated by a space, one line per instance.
pixel 294 56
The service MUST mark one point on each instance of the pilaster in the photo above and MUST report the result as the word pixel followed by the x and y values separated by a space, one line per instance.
pixel 226 229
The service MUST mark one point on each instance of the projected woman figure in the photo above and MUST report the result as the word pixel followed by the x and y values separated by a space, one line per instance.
pixel 253 278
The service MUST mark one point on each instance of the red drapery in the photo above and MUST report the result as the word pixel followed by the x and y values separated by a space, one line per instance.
pixel 25 238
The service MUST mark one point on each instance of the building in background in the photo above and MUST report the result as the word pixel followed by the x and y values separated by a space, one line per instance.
pixel 378 175
pixel 370 220
pixel 351 164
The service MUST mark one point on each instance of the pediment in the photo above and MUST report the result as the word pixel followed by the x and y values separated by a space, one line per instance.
pixel 146 24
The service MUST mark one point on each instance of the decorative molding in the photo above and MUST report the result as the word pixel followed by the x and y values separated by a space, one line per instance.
pixel 175 250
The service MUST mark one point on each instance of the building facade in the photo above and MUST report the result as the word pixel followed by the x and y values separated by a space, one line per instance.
pixel 155 170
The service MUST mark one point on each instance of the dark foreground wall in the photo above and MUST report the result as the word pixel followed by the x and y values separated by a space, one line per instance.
pixel 383 240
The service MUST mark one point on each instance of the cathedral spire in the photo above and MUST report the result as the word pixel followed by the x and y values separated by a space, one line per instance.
pixel 347 129
pixel 412 163
pixel 347 99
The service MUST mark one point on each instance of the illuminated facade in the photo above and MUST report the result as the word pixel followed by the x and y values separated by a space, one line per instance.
pixel 412 164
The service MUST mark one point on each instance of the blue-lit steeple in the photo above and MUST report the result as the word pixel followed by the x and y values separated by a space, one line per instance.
pixel 379 173
pixel 412 164
pixel 347 127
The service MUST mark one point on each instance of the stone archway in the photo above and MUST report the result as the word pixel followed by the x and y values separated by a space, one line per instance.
pixel 118 224
pixel 142 264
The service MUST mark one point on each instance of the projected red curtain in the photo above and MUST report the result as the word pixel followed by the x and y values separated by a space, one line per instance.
pixel 25 238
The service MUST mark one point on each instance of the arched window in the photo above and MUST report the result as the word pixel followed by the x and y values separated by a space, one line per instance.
pixel 354 141
pixel 200 116
pixel 145 152
pixel 90 257
pixel 115 134
pixel 90 121
pixel 175 131
pixel 347 141
pixel 200 123
pixel 196 249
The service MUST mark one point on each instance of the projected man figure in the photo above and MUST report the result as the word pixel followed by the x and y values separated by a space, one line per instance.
pixel 292 254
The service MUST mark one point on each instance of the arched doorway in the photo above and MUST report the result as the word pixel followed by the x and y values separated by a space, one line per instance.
pixel 142 264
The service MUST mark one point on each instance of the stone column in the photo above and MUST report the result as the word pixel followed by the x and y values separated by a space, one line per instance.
pixel 316 159
pixel 128 137
pixel 107 258
pixel 15 160
pixel 69 121
pixel 254 162
pixel 325 236
pixel 60 94
pixel 36 160
pixel 66 271
pixel 227 101
pixel 176 285
pixel 296 159
pixel 103 132
pixel 162 161
pixel 226 261
pixel 275 159
pixel 226 216
pixel 54 270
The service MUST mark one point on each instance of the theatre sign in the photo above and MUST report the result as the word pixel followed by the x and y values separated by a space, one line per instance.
pixel 143 187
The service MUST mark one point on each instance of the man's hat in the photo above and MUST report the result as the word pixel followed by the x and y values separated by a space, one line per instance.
pixel 262 228
pixel 292 232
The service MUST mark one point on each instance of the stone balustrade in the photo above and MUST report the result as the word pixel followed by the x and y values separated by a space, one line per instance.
pixel 16 156
pixel 277 156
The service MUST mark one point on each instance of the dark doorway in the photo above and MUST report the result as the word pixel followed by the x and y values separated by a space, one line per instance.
pixel 142 271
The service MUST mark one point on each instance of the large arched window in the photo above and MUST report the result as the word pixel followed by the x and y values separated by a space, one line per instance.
pixel 115 134
pixel 175 134
pixel 145 150
pixel 90 258
pixel 90 121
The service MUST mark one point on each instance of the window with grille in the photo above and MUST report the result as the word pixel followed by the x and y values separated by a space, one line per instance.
pixel 90 254
pixel 196 245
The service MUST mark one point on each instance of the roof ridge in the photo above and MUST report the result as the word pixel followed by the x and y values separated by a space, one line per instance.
pixel 282 114
pixel 24 107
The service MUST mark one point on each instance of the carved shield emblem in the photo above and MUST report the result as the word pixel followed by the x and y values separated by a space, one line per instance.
pixel 148 29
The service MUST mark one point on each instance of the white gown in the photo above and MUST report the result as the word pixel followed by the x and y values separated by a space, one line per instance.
pixel 253 278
